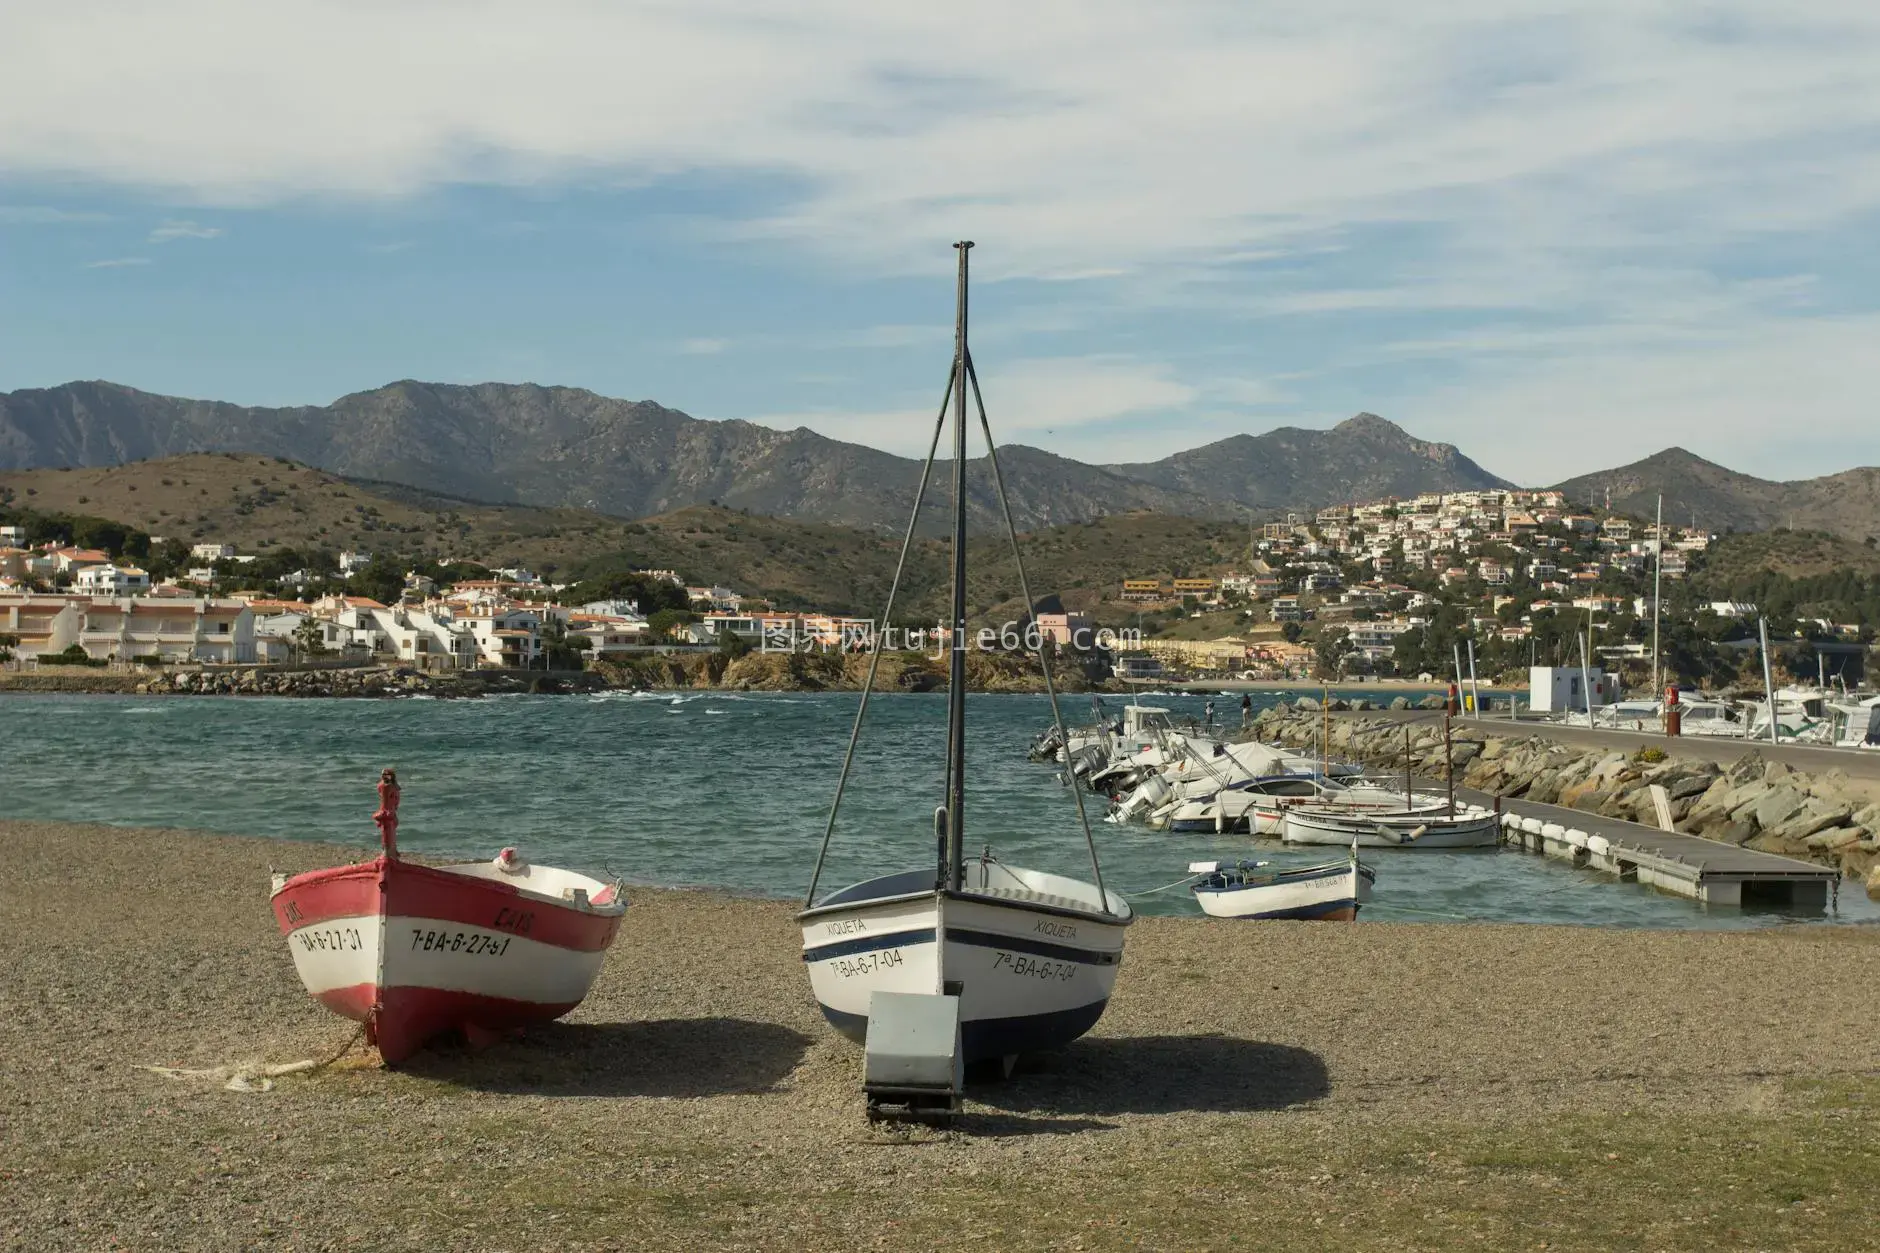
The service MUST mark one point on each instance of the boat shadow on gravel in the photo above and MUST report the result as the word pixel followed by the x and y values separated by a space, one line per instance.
pixel 1104 1076
pixel 677 1057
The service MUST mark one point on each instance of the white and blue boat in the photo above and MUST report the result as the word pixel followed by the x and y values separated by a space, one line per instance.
pixel 1466 826
pixel 1258 806
pixel 1032 956
pixel 1331 892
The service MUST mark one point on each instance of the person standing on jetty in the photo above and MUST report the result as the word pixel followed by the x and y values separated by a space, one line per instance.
pixel 1246 711
pixel 1210 713
pixel 387 815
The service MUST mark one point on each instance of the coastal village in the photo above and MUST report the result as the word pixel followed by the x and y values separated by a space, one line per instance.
pixel 1363 590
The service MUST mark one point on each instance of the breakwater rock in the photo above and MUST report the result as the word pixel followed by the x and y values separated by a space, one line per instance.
pixel 361 682
pixel 1764 805
pixel 762 671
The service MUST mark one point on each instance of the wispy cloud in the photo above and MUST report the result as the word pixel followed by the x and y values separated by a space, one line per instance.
pixel 46 215
pixel 116 263
pixel 1497 190
pixel 388 247
pixel 1030 401
pixel 182 228
pixel 702 347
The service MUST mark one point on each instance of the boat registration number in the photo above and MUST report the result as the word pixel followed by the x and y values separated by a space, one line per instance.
pixel 330 939
pixel 1033 967
pixel 866 963
pixel 469 943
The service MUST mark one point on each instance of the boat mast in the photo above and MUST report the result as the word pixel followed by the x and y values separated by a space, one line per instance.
pixel 956 665
pixel 1658 572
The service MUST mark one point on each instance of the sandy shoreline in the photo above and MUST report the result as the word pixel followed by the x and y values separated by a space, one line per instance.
pixel 697 1100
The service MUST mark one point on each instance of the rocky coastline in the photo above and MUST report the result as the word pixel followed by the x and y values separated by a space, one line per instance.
pixel 1770 806
pixel 838 672
pixel 715 671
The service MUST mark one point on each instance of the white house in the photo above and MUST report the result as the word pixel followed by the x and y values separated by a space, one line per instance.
pixel 518 575
pixel 612 608
pixel 350 563
pixel 14 536
pixel 415 636
pixel 172 628
pixel 210 553
pixel 1377 641
pixel 607 635
pixel 42 625
pixel 510 638
pixel 111 579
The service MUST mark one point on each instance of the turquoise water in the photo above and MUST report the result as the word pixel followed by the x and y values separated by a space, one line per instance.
pixel 710 789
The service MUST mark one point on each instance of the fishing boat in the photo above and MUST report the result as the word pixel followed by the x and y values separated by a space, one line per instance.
pixel 416 951
pixel 1468 826
pixel 1030 956
pixel 1331 892
pixel 1258 806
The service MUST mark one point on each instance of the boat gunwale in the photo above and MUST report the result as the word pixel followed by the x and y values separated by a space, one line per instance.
pixel 381 865
pixel 1303 874
pixel 1037 906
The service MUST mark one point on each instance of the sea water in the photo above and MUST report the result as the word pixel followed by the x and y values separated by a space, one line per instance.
pixel 707 789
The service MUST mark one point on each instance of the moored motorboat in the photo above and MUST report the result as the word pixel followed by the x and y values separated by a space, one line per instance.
pixel 1332 891
pixel 415 951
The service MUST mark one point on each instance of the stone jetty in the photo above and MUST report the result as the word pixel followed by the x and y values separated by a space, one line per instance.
pixel 1765 805
pixel 361 682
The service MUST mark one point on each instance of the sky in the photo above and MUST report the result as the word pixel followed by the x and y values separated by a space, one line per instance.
pixel 1559 235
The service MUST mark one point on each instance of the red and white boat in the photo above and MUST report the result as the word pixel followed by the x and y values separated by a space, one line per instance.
pixel 415 951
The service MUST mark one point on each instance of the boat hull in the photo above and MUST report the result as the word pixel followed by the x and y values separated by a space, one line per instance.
pixel 1330 893
pixel 1031 975
pixel 1464 830
pixel 416 951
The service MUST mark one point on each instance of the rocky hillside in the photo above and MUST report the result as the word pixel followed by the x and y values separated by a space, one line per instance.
pixel 262 504
pixel 1720 499
pixel 1362 458
pixel 565 447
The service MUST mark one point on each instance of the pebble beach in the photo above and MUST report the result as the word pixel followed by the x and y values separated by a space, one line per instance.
pixel 1271 1085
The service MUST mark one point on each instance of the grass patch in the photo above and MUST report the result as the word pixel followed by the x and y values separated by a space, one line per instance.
pixel 1797 1177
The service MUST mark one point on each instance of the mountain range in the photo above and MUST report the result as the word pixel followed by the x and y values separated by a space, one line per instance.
pixel 1703 493
pixel 565 447
pixel 559 446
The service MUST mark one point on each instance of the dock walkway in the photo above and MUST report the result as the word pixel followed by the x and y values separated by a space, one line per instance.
pixel 1860 765
pixel 1688 865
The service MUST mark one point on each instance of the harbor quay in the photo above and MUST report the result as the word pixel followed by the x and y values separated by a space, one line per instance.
pixel 1346 1084
pixel 1708 818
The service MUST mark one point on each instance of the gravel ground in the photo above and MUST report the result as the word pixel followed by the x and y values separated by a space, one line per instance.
pixel 696 1098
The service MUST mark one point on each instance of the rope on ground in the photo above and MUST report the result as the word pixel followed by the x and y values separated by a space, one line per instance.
pixel 1130 896
pixel 255 1077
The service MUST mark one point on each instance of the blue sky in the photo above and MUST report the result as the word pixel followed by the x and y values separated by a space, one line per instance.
pixel 1560 236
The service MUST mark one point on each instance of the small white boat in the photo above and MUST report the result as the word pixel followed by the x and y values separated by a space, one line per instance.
pixel 1032 956
pixel 1330 892
pixel 415 951
pixel 1467 827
